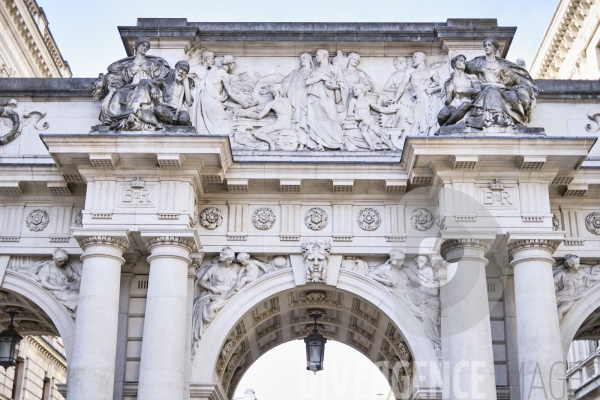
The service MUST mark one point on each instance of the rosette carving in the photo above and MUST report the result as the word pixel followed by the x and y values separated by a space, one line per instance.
pixel 37 220
pixel 316 218
pixel 369 219
pixel 263 218
pixel 211 218
pixel 421 219
pixel 592 223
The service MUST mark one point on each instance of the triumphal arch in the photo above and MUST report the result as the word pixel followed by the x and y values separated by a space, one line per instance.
pixel 197 203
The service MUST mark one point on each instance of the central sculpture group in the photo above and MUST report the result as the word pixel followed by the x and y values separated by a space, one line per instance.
pixel 325 104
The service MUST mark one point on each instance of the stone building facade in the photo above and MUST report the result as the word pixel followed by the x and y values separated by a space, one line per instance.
pixel 28 49
pixel 189 209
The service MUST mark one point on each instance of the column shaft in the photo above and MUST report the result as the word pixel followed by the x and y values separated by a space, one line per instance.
pixel 92 365
pixel 541 364
pixel 467 329
pixel 163 348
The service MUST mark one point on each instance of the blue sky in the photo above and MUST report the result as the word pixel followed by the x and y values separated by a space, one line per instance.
pixel 87 35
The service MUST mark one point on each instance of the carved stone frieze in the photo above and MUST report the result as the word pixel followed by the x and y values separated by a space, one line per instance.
pixel 263 218
pixel 19 119
pixel 592 223
pixel 316 218
pixel 211 218
pixel 421 219
pixel 368 219
pixel 316 260
pixel 37 220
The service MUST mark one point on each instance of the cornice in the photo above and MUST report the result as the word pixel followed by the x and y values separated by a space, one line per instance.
pixel 45 353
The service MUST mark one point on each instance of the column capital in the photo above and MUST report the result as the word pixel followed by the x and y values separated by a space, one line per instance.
pixel 87 237
pixel 453 241
pixel 519 241
pixel 187 238
pixel 453 244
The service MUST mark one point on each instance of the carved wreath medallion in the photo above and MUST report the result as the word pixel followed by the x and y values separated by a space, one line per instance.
pixel 316 218
pixel 211 218
pixel 369 219
pixel 263 218
pixel 37 220
pixel 592 223
pixel 421 219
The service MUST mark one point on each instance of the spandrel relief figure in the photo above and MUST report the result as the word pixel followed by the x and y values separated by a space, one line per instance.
pixel 460 90
pixel 572 280
pixel 416 288
pixel 508 92
pixel 201 61
pixel 122 91
pixel 61 278
pixel 360 109
pixel 217 94
pixel 426 90
pixel 281 107
pixel 324 105
pixel 220 279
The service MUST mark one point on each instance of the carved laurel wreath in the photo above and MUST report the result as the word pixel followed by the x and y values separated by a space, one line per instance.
pixel 369 219
pixel 263 218
pixel 211 218
pixel 316 218
pixel 421 219
pixel 592 223
pixel 37 220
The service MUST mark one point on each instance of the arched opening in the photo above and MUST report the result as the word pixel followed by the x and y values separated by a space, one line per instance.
pixel 358 312
pixel 348 375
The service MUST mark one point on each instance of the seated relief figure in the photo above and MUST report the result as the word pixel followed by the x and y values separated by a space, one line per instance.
pixel 416 288
pixel 135 86
pixel 507 95
pixel 460 90
pixel 218 281
pixel 572 280
pixel 61 278
pixel 216 95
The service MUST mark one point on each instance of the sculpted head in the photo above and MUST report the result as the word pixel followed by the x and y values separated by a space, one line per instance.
pixel 305 60
pixel 277 90
pixel 142 45
pixel 397 257
pixel 60 256
pixel 400 62
pixel 322 56
pixel 316 254
pixel 359 88
pixel 572 261
pixel 458 62
pixel 181 70
pixel 243 258
pixel 226 62
pixel 353 59
pixel 491 46
pixel 207 58
pixel 422 261
pixel 226 256
pixel 418 58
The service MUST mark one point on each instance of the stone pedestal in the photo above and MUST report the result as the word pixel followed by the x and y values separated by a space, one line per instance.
pixel 92 365
pixel 164 347
pixel 542 367
pixel 466 331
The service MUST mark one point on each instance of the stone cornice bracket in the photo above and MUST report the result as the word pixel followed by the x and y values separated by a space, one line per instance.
pixel 455 244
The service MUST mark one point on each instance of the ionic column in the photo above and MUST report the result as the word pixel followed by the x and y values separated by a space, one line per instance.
pixel 162 368
pixel 92 365
pixel 467 330
pixel 541 362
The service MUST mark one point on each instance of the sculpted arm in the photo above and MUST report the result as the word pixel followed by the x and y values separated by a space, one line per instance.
pixel 380 109
pixel 402 87
pixel 203 281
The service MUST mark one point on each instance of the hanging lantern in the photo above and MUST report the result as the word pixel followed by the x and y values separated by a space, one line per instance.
pixel 315 348
pixel 9 344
